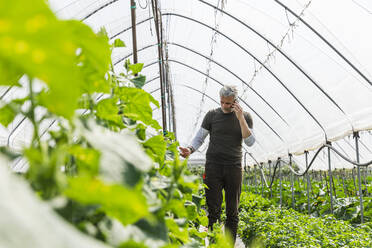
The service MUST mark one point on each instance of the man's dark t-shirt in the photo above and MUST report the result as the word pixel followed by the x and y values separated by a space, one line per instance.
pixel 225 137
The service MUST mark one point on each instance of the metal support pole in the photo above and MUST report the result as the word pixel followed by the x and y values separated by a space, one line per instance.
pixel 247 178
pixel 334 186
pixel 167 89
pixel 353 174
pixel 270 168
pixel 330 176
pixel 343 182
pixel 311 186
pixel 174 123
pixel 280 180
pixel 304 183
pixel 365 180
pixel 308 182
pixel 356 136
pixel 262 182
pixel 271 174
pixel 160 56
pixel 134 31
pixel 326 182
pixel 255 180
pixel 292 179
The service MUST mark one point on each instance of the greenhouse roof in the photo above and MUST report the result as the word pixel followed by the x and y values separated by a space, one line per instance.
pixel 303 68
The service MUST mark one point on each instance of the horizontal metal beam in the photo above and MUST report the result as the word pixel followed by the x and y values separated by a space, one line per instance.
pixel 250 54
pixel 215 62
pixel 221 84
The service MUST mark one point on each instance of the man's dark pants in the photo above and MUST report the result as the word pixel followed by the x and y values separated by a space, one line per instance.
pixel 229 178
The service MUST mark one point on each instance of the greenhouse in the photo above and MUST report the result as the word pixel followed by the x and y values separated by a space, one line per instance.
pixel 102 103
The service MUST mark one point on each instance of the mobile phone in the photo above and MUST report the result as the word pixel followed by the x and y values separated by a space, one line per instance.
pixel 233 105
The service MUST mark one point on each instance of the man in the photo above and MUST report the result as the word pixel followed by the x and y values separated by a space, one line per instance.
pixel 227 126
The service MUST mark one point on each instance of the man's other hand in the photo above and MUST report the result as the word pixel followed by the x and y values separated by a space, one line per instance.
pixel 185 152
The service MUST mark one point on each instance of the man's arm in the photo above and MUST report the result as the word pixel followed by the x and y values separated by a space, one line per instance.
pixel 250 140
pixel 247 134
pixel 242 122
pixel 244 128
pixel 196 143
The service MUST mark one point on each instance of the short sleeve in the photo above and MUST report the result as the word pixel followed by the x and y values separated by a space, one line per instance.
pixel 248 119
pixel 207 121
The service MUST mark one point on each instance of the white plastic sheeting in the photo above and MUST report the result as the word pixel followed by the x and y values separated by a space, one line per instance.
pixel 40 226
pixel 302 88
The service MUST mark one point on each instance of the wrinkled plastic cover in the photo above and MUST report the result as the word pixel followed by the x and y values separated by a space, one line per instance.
pixel 301 90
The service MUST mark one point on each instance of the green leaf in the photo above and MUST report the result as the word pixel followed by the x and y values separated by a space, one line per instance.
pixel 87 159
pixel 137 105
pixel 197 199
pixel 7 115
pixel 9 75
pixel 203 220
pixel 102 32
pixel 126 205
pixel 119 43
pixel 34 42
pixel 108 109
pixel 156 147
pixel 141 131
pixel 10 110
pixel 177 233
pixel 191 210
pixel 135 68
pixel 126 64
pixel 139 81
pixel 153 229
pixel 122 157
pixel 177 207
pixel 44 173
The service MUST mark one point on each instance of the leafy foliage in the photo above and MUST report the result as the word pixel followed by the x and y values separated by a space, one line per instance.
pixel 268 226
pixel 345 195
pixel 114 174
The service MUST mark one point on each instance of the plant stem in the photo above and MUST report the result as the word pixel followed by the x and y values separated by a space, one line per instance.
pixel 35 136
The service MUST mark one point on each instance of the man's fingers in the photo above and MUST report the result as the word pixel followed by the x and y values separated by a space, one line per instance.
pixel 184 152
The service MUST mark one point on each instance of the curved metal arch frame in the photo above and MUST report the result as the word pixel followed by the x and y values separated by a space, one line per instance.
pixel 290 11
pixel 286 56
pixel 6 92
pixel 309 165
pixel 325 41
pixel 217 63
pixel 209 97
pixel 97 10
pixel 338 153
pixel 242 100
pixel 192 88
pixel 246 51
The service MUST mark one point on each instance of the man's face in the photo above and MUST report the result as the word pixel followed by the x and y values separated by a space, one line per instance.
pixel 226 103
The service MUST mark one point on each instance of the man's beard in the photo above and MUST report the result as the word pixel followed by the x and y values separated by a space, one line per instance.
pixel 227 109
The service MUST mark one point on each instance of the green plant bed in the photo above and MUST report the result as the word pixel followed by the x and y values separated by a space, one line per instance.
pixel 264 225
pixel 346 206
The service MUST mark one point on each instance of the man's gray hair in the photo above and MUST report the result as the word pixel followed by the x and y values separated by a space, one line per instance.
pixel 229 90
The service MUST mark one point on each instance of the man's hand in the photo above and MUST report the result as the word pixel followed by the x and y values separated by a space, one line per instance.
pixel 185 152
pixel 238 111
